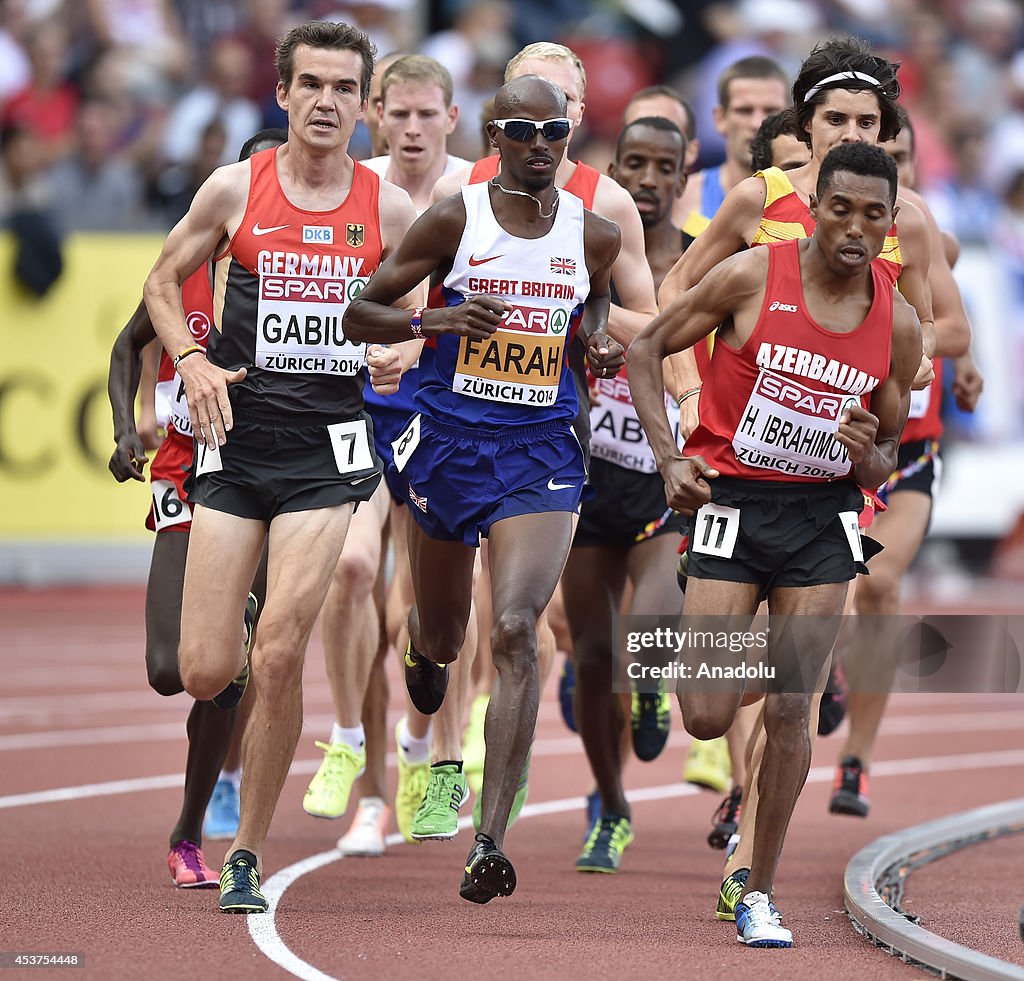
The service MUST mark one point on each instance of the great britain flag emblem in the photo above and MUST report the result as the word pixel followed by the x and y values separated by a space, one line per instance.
pixel 567 267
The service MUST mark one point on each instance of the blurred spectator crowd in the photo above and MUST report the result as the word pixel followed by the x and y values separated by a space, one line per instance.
pixel 113 112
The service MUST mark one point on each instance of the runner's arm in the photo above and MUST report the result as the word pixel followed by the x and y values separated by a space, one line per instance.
pixel 122 386
pixel 605 354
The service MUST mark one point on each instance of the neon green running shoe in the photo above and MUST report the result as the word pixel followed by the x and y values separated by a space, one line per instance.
pixel 473 746
pixel 412 788
pixel 730 893
pixel 438 816
pixel 517 802
pixel 603 850
pixel 328 791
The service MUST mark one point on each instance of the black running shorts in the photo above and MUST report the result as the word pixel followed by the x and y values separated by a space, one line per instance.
pixel 268 468
pixel 777 533
pixel 629 507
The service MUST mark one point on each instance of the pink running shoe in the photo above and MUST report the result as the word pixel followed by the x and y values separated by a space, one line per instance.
pixel 188 867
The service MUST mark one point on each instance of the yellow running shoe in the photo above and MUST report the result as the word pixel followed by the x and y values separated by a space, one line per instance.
pixel 328 792
pixel 708 764
pixel 412 788
pixel 473 746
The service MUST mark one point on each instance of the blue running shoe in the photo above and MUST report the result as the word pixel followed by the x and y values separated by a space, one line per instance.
pixel 566 693
pixel 758 923
pixel 222 812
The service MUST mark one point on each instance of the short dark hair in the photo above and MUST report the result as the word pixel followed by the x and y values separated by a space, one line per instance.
pixel 907 124
pixel 863 159
pixel 273 136
pixel 653 122
pixel 652 91
pixel 325 34
pixel 839 55
pixel 778 124
pixel 756 66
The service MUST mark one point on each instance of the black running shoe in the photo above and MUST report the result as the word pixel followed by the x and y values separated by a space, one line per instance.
pixel 427 682
pixel 832 710
pixel 232 695
pixel 850 790
pixel 726 819
pixel 240 885
pixel 651 722
pixel 488 873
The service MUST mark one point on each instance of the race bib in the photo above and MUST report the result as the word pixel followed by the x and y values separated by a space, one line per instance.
pixel 404 446
pixel 521 362
pixel 300 315
pixel 208 459
pixel 168 508
pixel 351 446
pixel 714 530
pixel 919 402
pixel 172 406
pixel 791 428
pixel 851 525
pixel 615 431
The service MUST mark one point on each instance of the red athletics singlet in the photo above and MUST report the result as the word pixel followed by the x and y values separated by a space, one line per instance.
pixel 171 405
pixel 925 420
pixel 583 182
pixel 281 289
pixel 771 409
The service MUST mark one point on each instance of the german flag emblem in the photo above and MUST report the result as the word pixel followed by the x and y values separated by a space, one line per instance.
pixel 354 235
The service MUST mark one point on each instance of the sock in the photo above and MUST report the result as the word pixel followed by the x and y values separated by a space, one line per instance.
pixel 244 855
pixel 455 763
pixel 234 777
pixel 415 750
pixel 354 738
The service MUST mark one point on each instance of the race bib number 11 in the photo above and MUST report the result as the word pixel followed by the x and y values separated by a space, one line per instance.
pixel 715 529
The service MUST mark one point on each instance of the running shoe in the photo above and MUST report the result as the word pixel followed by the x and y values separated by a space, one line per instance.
pixel 682 570
pixel 593 811
pixel 438 816
pixel 474 749
pixel 730 894
pixel 240 885
pixel 708 765
pixel 188 867
pixel 758 923
pixel 603 850
pixel 232 694
pixel 651 723
pixel 566 694
pixel 426 681
pixel 366 836
pixel 329 790
pixel 850 790
pixel 221 821
pixel 518 801
pixel 726 819
pixel 832 710
pixel 489 873
pixel 412 788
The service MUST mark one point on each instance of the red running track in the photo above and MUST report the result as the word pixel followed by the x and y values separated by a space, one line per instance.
pixel 84 867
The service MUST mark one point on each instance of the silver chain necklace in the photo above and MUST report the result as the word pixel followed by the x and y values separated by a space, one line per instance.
pixel 524 194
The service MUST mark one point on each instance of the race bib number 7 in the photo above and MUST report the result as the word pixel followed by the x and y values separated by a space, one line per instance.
pixel 351 446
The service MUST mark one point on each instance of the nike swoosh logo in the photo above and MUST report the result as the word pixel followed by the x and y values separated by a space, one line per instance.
pixel 474 261
pixel 553 486
pixel 359 480
pixel 256 230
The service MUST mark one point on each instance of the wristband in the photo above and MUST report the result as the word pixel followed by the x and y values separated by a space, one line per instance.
pixel 686 395
pixel 416 324
pixel 194 349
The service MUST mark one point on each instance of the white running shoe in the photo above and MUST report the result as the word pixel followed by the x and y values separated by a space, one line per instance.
pixel 369 826
pixel 758 923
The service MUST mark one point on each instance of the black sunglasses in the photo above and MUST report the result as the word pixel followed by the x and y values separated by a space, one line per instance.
pixel 524 130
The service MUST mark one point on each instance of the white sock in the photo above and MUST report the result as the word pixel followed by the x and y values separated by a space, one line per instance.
pixel 415 750
pixel 233 776
pixel 354 738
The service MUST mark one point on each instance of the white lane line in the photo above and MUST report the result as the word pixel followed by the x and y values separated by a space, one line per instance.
pixel 263 928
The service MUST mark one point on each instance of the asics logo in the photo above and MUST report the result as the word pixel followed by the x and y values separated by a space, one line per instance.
pixel 783 307
pixel 256 230
pixel 553 486
pixel 474 261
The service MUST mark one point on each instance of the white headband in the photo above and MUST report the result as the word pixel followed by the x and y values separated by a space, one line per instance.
pixel 841 76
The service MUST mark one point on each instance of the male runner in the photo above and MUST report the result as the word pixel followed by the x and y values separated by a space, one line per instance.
pixel 209 728
pixel 491 452
pixel 624 533
pixel 666 102
pixel 777 144
pixel 295 233
pixel 813 339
